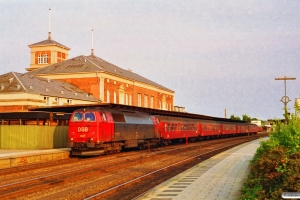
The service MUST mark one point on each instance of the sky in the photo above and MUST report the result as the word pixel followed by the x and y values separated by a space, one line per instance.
pixel 215 55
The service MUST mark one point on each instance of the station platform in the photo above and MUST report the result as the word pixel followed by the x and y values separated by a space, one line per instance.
pixel 14 158
pixel 220 177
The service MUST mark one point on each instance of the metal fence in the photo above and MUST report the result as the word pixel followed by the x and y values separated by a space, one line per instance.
pixel 33 137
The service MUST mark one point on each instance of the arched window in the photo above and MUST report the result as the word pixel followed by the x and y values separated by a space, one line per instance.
pixel 40 59
pixel 45 58
pixel 130 100
pixel 122 94
pixel 115 97
pixel 164 103
pixel 107 96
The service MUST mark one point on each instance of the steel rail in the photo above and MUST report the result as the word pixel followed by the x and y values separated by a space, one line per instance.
pixel 159 170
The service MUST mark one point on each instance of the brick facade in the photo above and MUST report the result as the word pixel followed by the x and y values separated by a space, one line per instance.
pixel 90 85
pixel 123 93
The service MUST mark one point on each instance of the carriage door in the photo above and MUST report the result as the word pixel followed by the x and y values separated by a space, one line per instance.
pixel 104 128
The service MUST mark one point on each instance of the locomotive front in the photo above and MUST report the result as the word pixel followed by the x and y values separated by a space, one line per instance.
pixel 84 132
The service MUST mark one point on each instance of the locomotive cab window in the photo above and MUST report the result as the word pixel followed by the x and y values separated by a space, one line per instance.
pixel 77 117
pixel 89 116
pixel 103 117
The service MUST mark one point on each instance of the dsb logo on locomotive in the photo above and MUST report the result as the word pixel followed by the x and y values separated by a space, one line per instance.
pixel 83 129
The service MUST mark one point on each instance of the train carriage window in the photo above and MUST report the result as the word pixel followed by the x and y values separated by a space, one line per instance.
pixel 184 127
pixel 172 127
pixel 169 127
pixel 176 127
pixel 89 116
pixel 77 117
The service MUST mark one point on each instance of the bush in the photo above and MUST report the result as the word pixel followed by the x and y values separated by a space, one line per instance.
pixel 275 167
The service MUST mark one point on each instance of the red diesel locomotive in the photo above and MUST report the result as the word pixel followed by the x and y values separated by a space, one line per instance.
pixel 95 131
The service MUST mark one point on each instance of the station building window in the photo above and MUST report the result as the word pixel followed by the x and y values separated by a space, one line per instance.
pixel 139 99
pixel 45 58
pixel 47 101
pixel 146 101
pixel 115 97
pixel 40 59
pixel 151 102
pixel 130 100
pixel 107 96
pixel 69 101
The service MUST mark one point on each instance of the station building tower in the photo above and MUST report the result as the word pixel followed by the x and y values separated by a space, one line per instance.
pixel 47 52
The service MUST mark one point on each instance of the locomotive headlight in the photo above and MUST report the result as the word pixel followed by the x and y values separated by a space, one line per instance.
pixel 92 139
pixel 71 139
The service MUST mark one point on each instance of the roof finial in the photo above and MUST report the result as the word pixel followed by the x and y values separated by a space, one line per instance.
pixel 49 32
pixel 92 42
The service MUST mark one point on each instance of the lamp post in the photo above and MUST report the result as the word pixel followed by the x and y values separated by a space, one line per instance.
pixel 285 99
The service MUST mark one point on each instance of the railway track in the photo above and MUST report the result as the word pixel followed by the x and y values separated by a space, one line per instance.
pixel 111 175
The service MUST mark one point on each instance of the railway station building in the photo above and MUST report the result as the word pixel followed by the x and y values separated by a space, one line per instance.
pixel 100 80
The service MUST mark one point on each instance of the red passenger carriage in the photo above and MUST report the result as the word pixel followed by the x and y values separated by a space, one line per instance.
pixel 207 129
pixel 173 128
pixel 228 128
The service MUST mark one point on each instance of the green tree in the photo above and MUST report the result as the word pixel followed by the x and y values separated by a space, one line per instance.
pixel 246 118
pixel 235 117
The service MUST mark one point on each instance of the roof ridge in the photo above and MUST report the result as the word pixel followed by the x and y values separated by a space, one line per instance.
pixel 19 81
pixel 92 62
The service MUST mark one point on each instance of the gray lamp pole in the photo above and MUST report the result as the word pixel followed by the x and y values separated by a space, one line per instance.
pixel 285 99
